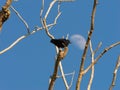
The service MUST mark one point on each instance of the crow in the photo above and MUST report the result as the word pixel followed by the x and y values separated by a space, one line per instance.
pixel 60 43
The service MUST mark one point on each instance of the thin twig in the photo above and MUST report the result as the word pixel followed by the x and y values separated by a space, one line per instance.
pixel 15 0
pixel 92 72
pixel 55 21
pixel 21 18
pixel 99 45
pixel 105 50
pixel 21 38
pixel 49 9
pixel 59 6
pixel 18 40
pixel 68 74
pixel 100 55
pixel 115 74
pixel 42 9
pixel 52 4
pixel 72 80
pixel 63 76
pixel 13 44
pixel 86 46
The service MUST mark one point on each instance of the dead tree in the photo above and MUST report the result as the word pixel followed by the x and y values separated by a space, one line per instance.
pixel 61 53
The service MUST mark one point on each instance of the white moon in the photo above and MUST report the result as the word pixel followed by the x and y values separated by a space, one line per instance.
pixel 78 40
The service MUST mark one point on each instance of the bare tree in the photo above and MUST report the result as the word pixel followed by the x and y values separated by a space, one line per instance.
pixel 61 53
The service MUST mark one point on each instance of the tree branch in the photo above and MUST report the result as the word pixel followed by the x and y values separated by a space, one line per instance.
pixel 86 46
pixel 42 9
pixel 52 4
pixel 5 13
pixel 60 56
pixel 46 29
pixel 54 76
pixel 115 73
pixel 21 38
pixel 49 9
pixel 7 4
pixel 100 55
pixel 18 40
pixel 99 45
pixel 21 18
pixel 52 37
pixel 92 72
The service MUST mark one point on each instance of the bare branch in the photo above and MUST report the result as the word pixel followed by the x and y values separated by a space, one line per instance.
pixel 52 4
pixel 5 13
pixel 59 6
pixel 12 45
pixel 15 0
pixel 67 36
pixel 73 73
pixel 21 18
pixel 54 76
pixel 52 81
pixel 49 9
pixel 18 40
pixel 100 55
pixel 105 50
pixel 92 72
pixel 60 64
pixel 7 4
pixel 60 56
pixel 99 45
pixel 63 76
pixel 52 37
pixel 68 74
pixel 61 69
pixel 42 9
pixel 56 18
pixel 55 21
pixel 115 73
pixel 86 46
pixel 72 80
pixel 23 37
pixel 46 29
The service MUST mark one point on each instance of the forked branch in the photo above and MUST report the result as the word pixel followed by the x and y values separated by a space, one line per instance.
pixel 44 23
pixel 60 56
pixel 86 46
pixel 21 18
pixel 100 55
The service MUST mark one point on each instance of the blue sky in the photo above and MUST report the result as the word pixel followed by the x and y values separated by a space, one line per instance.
pixel 29 64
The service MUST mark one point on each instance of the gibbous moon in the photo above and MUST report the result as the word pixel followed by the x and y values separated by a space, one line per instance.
pixel 78 40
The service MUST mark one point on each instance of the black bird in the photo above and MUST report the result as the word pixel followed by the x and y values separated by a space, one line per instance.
pixel 60 43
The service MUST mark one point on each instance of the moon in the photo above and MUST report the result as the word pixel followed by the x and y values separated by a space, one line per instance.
pixel 78 40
